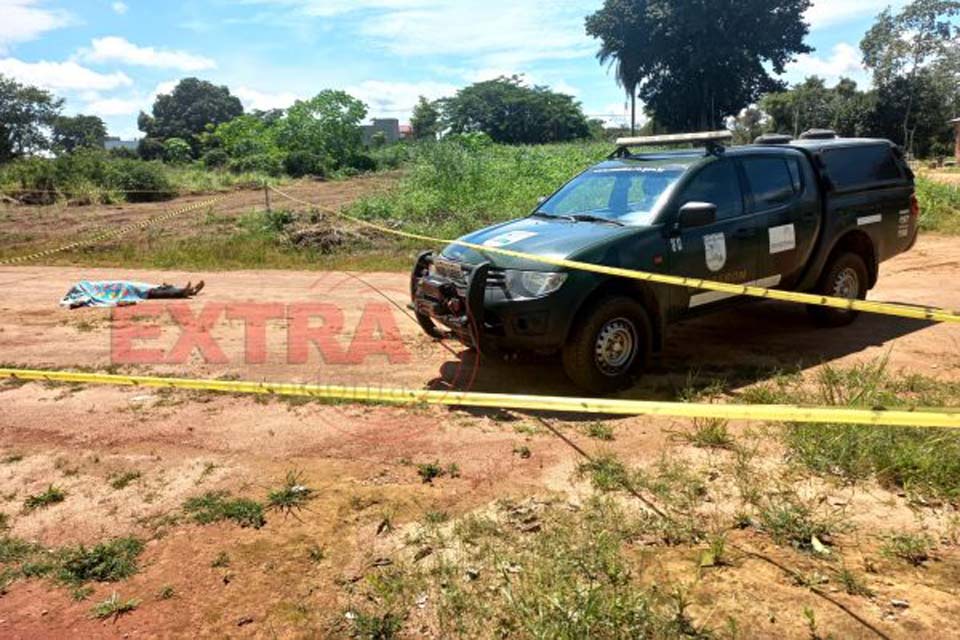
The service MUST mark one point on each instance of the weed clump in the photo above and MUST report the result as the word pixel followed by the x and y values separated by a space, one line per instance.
pixel 52 495
pixel 292 496
pixel 909 547
pixel 106 562
pixel 114 607
pixel 216 506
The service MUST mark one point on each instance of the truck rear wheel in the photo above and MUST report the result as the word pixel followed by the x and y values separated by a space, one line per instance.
pixel 845 277
pixel 607 345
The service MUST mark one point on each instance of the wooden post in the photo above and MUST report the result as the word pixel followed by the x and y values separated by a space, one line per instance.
pixel 266 196
pixel 956 136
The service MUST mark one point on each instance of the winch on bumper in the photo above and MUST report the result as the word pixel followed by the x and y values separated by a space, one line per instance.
pixel 471 301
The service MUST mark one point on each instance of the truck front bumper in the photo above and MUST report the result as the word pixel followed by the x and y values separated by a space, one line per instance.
pixel 478 312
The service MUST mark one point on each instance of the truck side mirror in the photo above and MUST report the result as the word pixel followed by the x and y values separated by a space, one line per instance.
pixel 697 214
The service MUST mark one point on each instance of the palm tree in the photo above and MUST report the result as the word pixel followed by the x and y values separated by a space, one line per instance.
pixel 621 42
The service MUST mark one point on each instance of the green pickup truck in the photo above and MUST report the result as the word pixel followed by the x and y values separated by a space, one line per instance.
pixel 816 214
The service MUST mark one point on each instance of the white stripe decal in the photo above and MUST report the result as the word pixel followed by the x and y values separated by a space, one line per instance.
pixel 870 220
pixel 710 297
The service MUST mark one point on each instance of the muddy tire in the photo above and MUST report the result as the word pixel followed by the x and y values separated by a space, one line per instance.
pixel 608 345
pixel 845 277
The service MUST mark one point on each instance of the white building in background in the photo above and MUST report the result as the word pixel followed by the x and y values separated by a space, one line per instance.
pixel 114 142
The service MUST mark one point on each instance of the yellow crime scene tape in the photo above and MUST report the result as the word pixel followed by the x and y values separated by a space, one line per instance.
pixel 605 406
pixel 933 314
pixel 113 233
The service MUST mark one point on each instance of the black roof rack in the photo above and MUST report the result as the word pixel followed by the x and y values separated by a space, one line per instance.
pixel 774 138
pixel 713 140
pixel 818 134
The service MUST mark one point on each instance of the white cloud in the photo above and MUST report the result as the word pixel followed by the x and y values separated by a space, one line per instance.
pixel 117 49
pixel 62 75
pixel 826 13
pixel 844 60
pixel 26 20
pixel 396 99
pixel 106 107
pixel 119 8
pixel 496 33
pixel 264 101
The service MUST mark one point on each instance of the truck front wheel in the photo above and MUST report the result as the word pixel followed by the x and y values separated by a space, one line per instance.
pixel 607 345
pixel 845 277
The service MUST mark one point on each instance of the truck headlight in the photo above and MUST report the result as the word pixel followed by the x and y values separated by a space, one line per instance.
pixel 530 285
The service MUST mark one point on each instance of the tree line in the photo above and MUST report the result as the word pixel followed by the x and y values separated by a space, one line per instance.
pixel 698 64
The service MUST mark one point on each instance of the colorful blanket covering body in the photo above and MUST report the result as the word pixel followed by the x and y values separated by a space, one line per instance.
pixel 106 294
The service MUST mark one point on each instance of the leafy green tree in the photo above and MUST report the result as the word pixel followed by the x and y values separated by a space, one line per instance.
pixel 811 105
pixel 425 120
pixel 510 112
pixel 699 61
pixel 327 125
pixel 619 27
pixel 177 151
pixel 910 52
pixel 187 112
pixel 25 115
pixel 78 132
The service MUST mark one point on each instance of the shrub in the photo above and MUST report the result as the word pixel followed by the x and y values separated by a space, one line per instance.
pixel 298 164
pixel 269 163
pixel 362 163
pixel 150 149
pixel 177 151
pixel 215 159
pixel 143 181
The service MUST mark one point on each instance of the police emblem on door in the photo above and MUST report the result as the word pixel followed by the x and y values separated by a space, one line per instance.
pixel 715 248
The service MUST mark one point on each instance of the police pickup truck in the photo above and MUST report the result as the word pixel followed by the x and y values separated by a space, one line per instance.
pixel 818 214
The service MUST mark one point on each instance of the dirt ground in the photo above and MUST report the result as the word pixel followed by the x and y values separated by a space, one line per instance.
pixel 361 460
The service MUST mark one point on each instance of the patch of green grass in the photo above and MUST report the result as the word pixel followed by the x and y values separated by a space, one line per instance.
pixel 573 578
pixel 114 607
pixel 853 584
pixel 15 549
pixel 429 471
pixel 216 506
pixel 709 433
pixel 105 562
pixel 123 480
pixel 166 592
pixel 600 431
pixel 452 188
pixel 606 472
pixel 292 496
pixel 81 593
pixel 436 517
pixel 52 495
pixel 790 521
pixel 910 547
pixel 922 462
pixel 939 206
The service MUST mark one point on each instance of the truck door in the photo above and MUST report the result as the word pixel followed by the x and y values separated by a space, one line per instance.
pixel 725 250
pixel 781 191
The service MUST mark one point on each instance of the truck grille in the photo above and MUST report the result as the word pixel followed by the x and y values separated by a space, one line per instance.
pixel 459 273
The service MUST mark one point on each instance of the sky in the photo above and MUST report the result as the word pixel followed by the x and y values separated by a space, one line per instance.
pixel 112 57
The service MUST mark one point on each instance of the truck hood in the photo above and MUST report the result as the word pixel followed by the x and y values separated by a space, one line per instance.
pixel 558 239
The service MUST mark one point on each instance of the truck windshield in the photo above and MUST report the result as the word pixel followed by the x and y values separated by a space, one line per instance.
pixel 626 195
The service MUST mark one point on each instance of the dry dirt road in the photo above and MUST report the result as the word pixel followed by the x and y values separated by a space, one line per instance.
pixel 361 459
pixel 372 341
